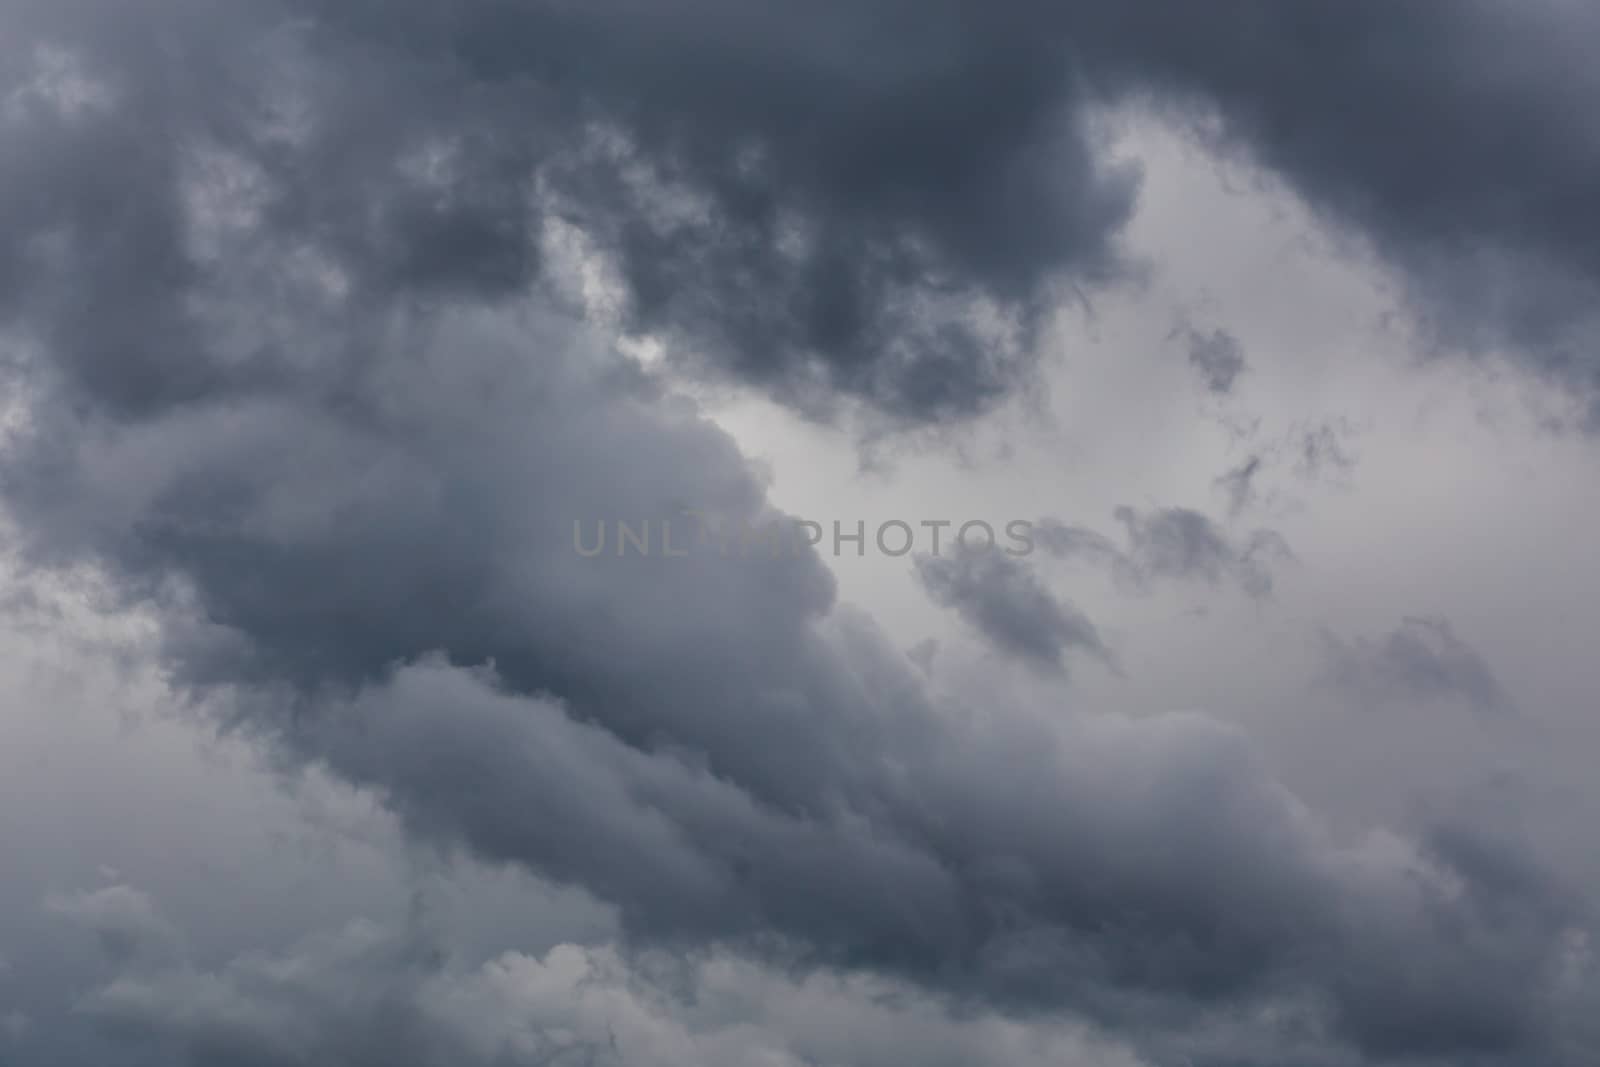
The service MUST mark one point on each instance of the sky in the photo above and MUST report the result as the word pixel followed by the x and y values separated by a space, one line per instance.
pixel 493 566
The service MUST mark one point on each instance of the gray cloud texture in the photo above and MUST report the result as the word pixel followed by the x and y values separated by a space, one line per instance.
pixel 1239 484
pixel 813 794
pixel 275 281
pixel 1421 661
pixel 1217 358
pixel 1177 544
pixel 829 201
pixel 366 995
pixel 1001 598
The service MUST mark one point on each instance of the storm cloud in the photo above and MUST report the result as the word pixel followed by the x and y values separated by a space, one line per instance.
pixel 311 343
pixel 575 716
pixel 869 200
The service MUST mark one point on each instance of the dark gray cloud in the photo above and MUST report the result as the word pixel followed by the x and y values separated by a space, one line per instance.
pixel 1170 868
pixel 823 203
pixel 1171 544
pixel 863 199
pixel 274 276
pixel 701 742
pixel 1421 661
pixel 1006 602
pixel 1453 137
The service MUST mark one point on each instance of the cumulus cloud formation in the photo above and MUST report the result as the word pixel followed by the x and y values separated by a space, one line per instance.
pixel 860 199
pixel 321 324
pixel 1171 866
pixel 361 995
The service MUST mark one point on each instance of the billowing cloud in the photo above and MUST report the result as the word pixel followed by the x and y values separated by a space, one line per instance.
pixel 363 995
pixel 815 795
pixel 309 316
pixel 869 200
pixel 866 201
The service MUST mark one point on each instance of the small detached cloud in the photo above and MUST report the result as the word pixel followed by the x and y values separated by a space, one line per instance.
pixel 1217 357
pixel 1171 543
pixel 1006 602
pixel 1421 661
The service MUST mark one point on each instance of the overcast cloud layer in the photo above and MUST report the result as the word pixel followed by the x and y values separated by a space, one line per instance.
pixel 322 324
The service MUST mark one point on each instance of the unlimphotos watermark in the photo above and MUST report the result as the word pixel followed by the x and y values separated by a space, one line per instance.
pixel 694 533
